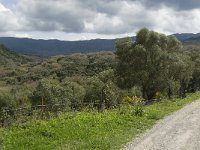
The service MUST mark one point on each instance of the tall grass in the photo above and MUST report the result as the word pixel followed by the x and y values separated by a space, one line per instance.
pixel 85 130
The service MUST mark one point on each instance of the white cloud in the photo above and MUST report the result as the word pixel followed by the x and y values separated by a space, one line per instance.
pixel 78 19
pixel 9 21
pixel 171 21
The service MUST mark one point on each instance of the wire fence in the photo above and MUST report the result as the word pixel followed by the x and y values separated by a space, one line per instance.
pixel 8 115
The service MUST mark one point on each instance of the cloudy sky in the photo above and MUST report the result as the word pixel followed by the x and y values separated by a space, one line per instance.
pixel 89 19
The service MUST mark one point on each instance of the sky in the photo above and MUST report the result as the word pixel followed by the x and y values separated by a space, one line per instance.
pixel 91 19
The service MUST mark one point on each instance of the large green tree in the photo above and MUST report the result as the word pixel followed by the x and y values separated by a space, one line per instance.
pixel 194 83
pixel 148 62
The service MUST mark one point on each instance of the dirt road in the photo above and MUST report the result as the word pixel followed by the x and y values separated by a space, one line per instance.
pixel 179 131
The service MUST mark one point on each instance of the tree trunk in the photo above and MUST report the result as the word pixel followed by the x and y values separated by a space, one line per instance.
pixel 183 89
pixel 144 94
pixel 169 92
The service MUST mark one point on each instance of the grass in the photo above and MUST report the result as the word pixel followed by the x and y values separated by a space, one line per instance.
pixel 110 129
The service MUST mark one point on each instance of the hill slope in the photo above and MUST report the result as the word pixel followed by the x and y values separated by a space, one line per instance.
pixel 10 57
pixel 10 64
pixel 193 39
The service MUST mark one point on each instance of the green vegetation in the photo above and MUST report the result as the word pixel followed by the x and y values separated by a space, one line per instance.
pixel 110 129
pixel 155 66
pixel 100 100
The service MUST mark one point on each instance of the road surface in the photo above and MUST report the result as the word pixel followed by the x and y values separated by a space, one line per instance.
pixel 179 131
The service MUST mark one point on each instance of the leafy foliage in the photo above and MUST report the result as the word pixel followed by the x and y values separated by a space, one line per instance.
pixel 50 92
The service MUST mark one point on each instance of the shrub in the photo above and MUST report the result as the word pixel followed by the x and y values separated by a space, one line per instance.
pixel 76 94
pixel 110 94
pixel 139 111
pixel 127 100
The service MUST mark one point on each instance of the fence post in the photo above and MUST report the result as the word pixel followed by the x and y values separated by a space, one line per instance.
pixel 42 107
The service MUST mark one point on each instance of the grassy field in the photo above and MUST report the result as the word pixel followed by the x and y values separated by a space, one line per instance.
pixel 110 129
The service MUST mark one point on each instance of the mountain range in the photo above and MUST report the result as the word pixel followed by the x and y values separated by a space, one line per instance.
pixel 42 47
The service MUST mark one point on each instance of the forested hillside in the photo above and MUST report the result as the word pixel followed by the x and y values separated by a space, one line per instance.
pixel 153 67
pixel 22 74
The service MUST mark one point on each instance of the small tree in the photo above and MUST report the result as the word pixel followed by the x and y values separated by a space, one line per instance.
pixel 110 89
pixel 50 92
pixel 110 94
pixel 94 92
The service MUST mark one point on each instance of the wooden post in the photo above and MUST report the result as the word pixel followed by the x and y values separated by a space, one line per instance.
pixel 42 107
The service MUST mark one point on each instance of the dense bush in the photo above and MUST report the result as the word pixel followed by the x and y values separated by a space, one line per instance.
pixel 6 100
pixel 7 105
pixel 94 92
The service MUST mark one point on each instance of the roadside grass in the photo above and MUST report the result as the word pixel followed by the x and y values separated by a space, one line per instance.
pixel 110 129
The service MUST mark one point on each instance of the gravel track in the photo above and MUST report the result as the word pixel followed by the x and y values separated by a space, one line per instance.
pixel 178 131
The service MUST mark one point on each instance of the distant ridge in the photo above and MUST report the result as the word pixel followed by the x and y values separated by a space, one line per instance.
pixel 186 36
pixel 193 40
pixel 57 47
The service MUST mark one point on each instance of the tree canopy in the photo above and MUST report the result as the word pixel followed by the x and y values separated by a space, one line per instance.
pixel 152 62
